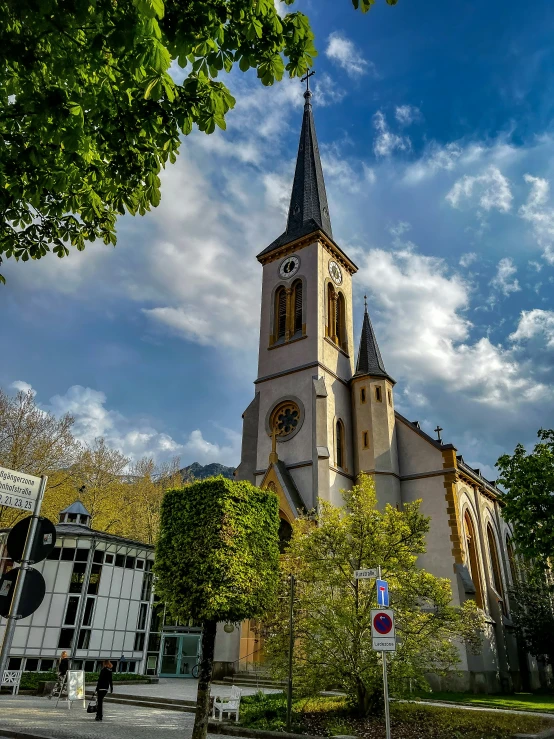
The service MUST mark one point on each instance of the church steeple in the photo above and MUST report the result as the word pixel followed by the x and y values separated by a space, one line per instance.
pixel 370 361
pixel 308 210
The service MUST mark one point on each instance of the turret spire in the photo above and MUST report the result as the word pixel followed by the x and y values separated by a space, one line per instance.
pixel 308 211
pixel 370 361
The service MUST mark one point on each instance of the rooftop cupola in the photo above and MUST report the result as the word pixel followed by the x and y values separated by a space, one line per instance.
pixel 76 513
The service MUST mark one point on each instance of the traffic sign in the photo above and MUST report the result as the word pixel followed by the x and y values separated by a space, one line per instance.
pixel 32 593
pixel 44 540
pixel 18 490
pixel 383 630
pixel 370 574
pixel 382 593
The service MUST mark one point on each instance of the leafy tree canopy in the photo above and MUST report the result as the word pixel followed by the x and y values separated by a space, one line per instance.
pixel 532 610
pixel 89 113
pixel 333 646
pixel 529 498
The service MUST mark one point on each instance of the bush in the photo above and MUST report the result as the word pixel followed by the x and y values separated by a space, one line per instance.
pixel 31 680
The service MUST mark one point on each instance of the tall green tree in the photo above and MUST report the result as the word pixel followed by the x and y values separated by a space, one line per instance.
pixel 217 559
pixel 528 499
pixel 532 610
pixel 89 113
pixel 332 614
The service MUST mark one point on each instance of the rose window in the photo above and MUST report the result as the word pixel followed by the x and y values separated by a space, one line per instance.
pixel 285 419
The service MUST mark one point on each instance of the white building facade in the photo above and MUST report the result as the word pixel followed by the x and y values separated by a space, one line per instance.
pixel 97 604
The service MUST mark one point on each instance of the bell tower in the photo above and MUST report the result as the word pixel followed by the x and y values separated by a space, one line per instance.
pixel 297 432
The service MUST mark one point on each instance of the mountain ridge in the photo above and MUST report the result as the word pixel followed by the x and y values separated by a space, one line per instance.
pixel 196 471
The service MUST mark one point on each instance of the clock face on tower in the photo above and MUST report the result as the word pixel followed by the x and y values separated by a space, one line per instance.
pixel 289 267
pixel 335 272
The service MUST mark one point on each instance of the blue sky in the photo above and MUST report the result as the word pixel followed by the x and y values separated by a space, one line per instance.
pixel 435 122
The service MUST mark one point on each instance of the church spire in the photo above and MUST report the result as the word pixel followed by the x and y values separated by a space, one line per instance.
pixel 370 361
pixel 308 210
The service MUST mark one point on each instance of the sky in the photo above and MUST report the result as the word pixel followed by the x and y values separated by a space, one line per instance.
pixel 435 125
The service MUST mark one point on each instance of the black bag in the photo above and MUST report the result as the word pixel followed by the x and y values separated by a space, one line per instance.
pixel 93 705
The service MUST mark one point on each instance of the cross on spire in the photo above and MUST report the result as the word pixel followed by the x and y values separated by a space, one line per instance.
pixel 306 79
pixel 438 432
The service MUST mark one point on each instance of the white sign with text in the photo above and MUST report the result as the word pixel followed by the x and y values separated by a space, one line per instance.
pixel 18 490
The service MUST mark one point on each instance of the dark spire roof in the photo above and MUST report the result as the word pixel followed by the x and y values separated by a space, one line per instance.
pixel 370 361
pixel 308 211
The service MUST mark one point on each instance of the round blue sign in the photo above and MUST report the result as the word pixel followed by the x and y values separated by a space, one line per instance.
pixel 382 623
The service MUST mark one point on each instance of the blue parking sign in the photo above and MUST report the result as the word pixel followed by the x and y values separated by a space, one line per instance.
pixel 382 593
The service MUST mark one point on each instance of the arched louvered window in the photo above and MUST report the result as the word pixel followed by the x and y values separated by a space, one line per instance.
pixel 341 461
pixel 330 311
pixel 340 331
pixel 495 563
pixel 297 302
pixel 473 555
pixel 280 313
pixel 512 560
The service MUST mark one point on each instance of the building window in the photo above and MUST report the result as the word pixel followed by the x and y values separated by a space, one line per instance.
pixel 89 610
pixel 71 610
pixel 81 555
pixel 285 418
pixel 66 635
pixel 362 395
pixel 120 560
pixel 139 642
pixel 31 665
pixel 15 663
pixel 84 639
pixel 378 394
pixel 46 664
pixel 389 395
pixel 146 591
pixel 98 556
pixel 495 563
pixel 511 560
pixel 108 559
pixel 297 303
pixel 130 563
pixel 473 556
pixel 55 553
pixel 77 577
pixel 68 554
pixel 336 317
pixel 340 445
pixel 149 563
pixel 89 665
pixel 94 581
pixel 280 314
pixel 341 322
pixel 143 613
pixel 366 439
pixel 140 564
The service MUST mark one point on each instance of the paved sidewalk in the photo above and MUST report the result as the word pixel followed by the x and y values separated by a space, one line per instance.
pixel 41 717
pixel 182 689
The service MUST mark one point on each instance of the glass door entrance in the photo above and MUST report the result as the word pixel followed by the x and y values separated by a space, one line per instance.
pixel 179 654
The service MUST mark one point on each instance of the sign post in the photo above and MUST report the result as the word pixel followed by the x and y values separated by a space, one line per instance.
pixel 24 492
pixel 384 640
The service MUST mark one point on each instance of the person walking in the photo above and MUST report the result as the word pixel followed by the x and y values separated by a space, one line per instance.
pixel 63 667
pixel 105 683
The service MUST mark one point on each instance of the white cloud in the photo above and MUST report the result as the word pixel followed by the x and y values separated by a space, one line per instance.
pixel 407 114
pixel 468 259
pixel 536 211
pixel 434 159
pixel 535 323
pixel 504 280
pixel 386 142
pixel 345 53
pixel 136 438
pixel 490 190
pixel 22 387
pixel 421 307
pixel 326 92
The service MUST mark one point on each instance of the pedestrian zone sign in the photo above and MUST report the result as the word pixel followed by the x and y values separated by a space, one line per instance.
pixel 382 593
pixel 383 630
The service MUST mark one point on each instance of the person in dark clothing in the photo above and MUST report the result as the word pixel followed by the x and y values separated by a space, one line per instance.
pixel 104 684
pixel 63 667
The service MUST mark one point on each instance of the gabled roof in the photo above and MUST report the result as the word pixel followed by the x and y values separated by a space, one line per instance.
pixel 370 362
pixel 77 508
pixel 308 210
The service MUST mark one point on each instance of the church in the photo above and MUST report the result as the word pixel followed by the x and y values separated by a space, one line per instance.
pixel 324 411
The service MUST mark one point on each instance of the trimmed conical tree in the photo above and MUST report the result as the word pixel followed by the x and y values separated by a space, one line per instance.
pixel 217 559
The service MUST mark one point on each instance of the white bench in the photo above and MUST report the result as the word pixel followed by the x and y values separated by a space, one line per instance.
pixel 12 678
pixel 229 704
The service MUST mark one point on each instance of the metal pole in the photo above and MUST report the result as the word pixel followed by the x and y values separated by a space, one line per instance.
pixel 291 651
pixel 386 686
pixel 18 588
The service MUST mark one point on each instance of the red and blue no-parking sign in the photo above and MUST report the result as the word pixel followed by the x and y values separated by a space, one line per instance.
pixel 382 623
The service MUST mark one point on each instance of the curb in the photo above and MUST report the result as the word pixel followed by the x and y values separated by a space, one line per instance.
pixel 216 727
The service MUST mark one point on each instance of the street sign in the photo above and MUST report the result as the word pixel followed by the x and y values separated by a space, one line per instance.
pixel 43 543
pixel 32 593
pixel 370 574
pixel 383 630
pixel 382 593
pixel 18 490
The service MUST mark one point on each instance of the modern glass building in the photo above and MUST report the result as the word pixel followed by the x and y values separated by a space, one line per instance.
pixel 98 602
